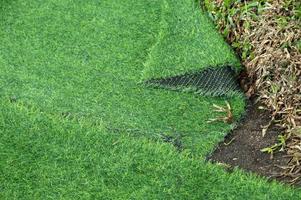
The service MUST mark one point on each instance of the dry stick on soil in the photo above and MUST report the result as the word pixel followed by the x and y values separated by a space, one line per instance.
pixel 227 110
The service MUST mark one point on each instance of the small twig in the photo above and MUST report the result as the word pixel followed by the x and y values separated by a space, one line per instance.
pixel 227 110
pixel 228 143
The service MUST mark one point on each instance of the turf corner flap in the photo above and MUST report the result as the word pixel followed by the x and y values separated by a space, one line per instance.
pixel 190 55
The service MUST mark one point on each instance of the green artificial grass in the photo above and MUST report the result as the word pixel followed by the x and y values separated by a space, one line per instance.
pixel 86 59
pixel 46 157
pixel 186 43
pixel 77 123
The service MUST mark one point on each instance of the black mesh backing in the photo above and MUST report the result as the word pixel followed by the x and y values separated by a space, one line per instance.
pixel 218 81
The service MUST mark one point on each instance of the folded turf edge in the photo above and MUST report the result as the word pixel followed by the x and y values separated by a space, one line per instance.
pixel 198 48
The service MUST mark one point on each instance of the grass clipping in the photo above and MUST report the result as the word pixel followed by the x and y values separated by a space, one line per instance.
pixel 267 36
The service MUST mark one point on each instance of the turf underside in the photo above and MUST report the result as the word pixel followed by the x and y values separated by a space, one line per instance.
pixel 76 121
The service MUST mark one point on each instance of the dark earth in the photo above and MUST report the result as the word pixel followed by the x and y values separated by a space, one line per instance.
pixel 241 148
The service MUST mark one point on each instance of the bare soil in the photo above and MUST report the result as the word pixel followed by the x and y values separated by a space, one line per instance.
pixel 241 148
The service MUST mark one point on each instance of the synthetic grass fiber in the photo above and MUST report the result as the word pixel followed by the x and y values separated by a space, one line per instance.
pixel 76 122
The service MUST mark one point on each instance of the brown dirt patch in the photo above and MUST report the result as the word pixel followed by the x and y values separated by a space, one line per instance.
pixel 241 148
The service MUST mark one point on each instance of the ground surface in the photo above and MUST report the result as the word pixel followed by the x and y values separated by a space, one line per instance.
pixel 76 122
pixel 242 148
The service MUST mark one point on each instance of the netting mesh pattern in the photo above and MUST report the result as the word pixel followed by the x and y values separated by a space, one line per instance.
pixel 219 81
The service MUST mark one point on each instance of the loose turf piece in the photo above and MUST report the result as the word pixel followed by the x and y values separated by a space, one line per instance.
pixel 77 123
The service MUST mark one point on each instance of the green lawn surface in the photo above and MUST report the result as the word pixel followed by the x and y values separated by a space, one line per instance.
pixel 76 122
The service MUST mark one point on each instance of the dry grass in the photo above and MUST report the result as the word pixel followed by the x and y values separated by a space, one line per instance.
pixel 275 68
pixel 267 36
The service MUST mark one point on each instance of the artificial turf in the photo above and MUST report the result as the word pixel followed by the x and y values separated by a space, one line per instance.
pixel 186 43
pixel 75 120
pixel 48 157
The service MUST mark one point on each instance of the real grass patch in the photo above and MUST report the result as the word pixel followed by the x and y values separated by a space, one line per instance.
pixel 80 124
